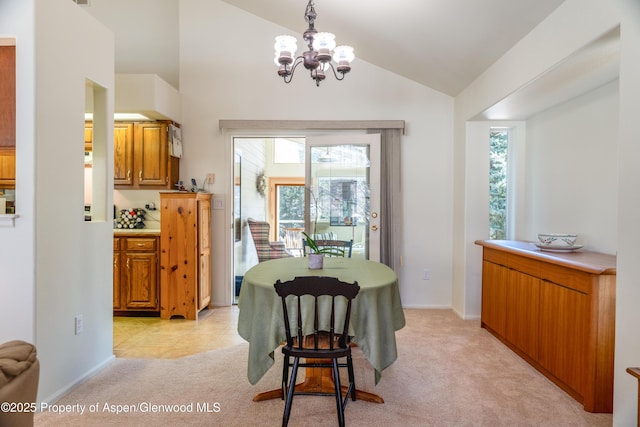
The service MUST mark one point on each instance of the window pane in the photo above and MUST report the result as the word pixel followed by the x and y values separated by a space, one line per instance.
pixel 290 207
pixel 498 184
pixel 288 150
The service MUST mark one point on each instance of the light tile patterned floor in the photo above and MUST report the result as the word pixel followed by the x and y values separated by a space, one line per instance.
pixel 152 337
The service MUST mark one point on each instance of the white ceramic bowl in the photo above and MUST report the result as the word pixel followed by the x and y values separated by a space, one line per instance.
pixel 562 240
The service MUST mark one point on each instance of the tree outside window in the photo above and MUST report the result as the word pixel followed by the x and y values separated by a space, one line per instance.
pixel 499 139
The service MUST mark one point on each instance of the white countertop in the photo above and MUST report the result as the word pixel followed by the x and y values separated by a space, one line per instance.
pixel 123 231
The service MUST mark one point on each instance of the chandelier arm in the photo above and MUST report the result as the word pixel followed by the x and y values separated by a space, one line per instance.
pixel 335 73
pixel 296 62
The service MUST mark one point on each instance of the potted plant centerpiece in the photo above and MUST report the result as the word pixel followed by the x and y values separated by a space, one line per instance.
pixel 316 256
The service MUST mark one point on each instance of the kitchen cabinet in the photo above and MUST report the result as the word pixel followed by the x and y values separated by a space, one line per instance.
pixel 7 96
pixel 117 274
pixel 135 273
pixel 7 117
pixel 88 136
pixel 141 156
pixel 185 256
pixel 7 167
pixel 557 311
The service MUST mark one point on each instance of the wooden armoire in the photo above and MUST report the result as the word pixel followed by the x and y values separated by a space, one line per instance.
pixel 185 254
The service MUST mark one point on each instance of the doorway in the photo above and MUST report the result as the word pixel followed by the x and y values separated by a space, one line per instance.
pixel 326 185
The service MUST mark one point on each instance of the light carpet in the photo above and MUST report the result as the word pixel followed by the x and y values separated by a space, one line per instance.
pixel 449 372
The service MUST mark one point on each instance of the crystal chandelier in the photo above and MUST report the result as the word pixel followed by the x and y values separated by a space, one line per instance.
pixel 322 47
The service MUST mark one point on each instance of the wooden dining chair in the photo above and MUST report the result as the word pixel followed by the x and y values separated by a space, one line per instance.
pixel 344 247
pixel 326 344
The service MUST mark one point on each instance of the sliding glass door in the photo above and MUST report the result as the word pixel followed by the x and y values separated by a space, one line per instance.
pixel 342 179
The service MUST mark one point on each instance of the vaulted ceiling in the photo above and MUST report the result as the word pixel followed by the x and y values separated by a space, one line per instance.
pixel 442 44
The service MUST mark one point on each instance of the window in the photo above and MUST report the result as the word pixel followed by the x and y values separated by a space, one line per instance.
pixel 498 179
pixel 288 150
pixel 290 199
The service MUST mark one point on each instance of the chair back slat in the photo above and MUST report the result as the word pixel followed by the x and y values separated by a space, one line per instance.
pixel 332 329
pixel 300 335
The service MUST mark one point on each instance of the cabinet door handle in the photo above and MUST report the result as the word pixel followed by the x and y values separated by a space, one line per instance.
pixel 127 263
pixel 115 262
pixel 129 174
pixel 140 175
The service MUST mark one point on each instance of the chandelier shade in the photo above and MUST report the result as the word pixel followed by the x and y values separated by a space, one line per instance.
pixel 317 59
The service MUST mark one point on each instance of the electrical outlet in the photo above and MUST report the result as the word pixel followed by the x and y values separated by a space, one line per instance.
pixel 426 275
pixel 79 324
pixel 211 177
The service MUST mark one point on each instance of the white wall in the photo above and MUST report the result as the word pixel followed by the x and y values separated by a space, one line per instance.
pixel 572 170
pixel 146 35
pixel 73 258
pixel 17 251
pixel 54 265
pixel 216 85
pixel 540 50
pixel 628 291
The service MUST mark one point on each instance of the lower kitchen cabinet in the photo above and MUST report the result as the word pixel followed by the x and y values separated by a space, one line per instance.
pixel 135 274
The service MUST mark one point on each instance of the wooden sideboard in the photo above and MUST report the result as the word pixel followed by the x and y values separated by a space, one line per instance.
pixel 556 310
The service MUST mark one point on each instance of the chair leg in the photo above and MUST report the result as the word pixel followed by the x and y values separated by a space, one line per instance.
pixel 336 380
pixel 290 390
pixel 352 378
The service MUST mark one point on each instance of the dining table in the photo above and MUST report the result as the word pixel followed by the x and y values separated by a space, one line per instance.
pixel 376 315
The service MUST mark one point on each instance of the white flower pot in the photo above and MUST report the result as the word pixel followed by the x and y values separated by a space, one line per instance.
pixel 315 261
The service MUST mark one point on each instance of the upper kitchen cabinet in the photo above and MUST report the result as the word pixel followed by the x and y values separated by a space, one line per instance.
pixel 88 136
pixel 7 116
pixel 141 156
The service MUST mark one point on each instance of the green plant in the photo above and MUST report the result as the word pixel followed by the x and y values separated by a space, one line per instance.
pixel 322 250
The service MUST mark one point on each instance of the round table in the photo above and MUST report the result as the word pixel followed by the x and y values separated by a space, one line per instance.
pixel 376 313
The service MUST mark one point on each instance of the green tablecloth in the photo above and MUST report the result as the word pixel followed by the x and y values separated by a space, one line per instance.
pixel 376 311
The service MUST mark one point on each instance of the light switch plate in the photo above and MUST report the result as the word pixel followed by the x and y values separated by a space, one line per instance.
pixel 218 203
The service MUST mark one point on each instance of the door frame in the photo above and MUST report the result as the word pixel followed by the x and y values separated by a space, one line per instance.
pixel 273 199
pixel 231 129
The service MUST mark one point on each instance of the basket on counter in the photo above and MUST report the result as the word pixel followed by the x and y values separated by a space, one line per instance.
pixel 130 219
